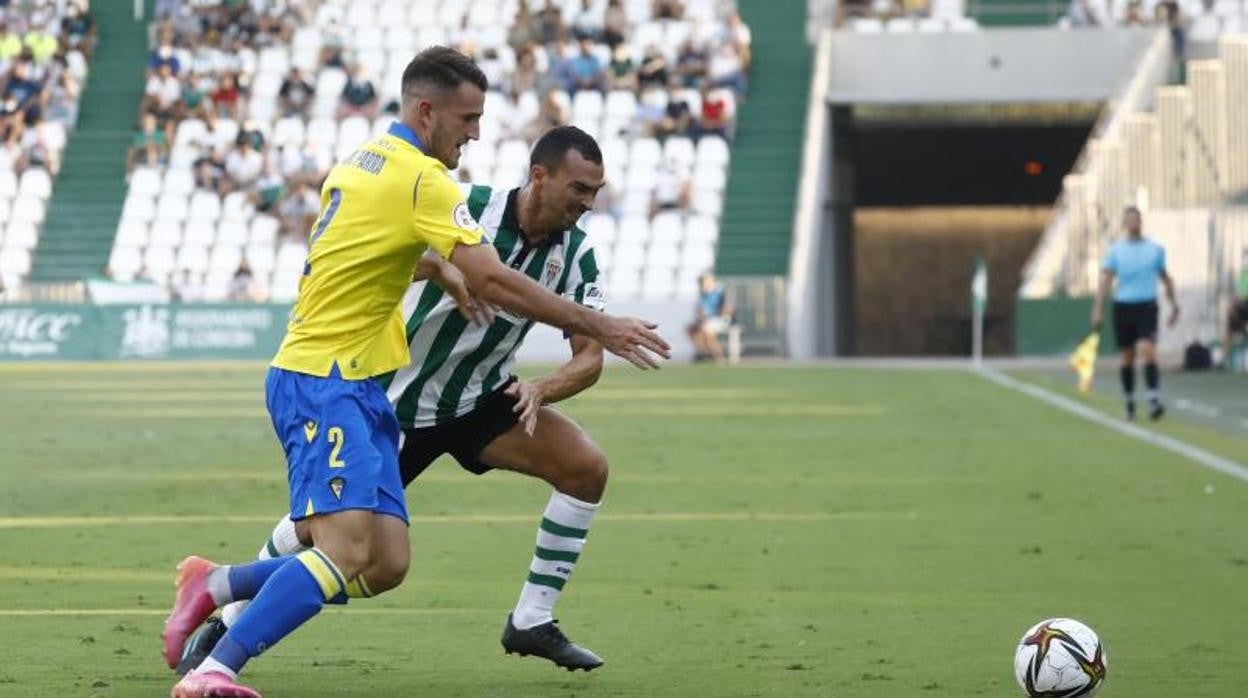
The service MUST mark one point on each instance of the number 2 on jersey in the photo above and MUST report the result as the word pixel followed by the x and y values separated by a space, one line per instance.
pixel 336 438
pixel 335 199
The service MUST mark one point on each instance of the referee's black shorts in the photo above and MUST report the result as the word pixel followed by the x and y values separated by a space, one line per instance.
pixel 1134 322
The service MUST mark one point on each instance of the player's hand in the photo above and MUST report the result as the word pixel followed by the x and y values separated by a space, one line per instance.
pixel 474 310
pixel 529 400
pixel 1174 316
pixel 632 339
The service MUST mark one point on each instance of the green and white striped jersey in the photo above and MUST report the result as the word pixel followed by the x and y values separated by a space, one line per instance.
pixel 454 364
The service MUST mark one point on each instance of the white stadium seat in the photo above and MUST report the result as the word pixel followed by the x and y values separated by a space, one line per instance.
pixel 264 230
pixel 140 207
pixel 28 208
pixel 21 234
pixel 159 260
pixel 15 260
pixel 177 181
pixel 145 180
pixel 232 232
pixel 204 206
pixel 199 232
pixel 192 258
pixel 172 207
pixel 125 262
pixel 35 182
pixel 165 233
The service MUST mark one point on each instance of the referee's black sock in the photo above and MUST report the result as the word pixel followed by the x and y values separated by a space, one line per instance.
pixel 1152 379
pixel 1127 375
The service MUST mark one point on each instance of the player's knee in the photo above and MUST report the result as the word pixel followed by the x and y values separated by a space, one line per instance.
pixel 351 557
pixel 387 572
pixel 587 478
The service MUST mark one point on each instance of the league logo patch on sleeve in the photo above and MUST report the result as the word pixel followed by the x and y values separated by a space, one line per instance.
pixel 462 217
pixel 594 297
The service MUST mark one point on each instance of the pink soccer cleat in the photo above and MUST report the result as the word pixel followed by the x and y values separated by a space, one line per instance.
pixel 191 606
pixel 210 684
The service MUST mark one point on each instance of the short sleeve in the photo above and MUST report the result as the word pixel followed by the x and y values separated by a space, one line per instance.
pixel 584 285
pixel 440 216
pixel 1111 260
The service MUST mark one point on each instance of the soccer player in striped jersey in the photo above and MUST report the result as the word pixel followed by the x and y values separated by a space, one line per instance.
pixel 383 208
pixel 458 396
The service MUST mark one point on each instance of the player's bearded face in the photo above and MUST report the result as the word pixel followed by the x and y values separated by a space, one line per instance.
pixel 572 188
pixel 455 122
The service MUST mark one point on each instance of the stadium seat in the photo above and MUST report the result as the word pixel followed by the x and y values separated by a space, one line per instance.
pixel 646 153
pixel 901 25
pixel 35 182
pixel 291 257
pixel 145 180
pixel 624 283
pixel 679 151
pixel 176 181
pixel 866 25
pixel 261 258
pixel 288 131
pixel 708 202
pixel 264 230
pixel 125 262
pixel 225 258
pixel 21 234
pixel 15 260
pixel 601 230
pixel 633 228
pixel 140 207
pixel 697 256
pixel 159 260
pixel 192 258
pixel 236 207
pixel 712 177
pixel 183 156
pixel 190 132
pixel 165 233
pixel 667 229
pixel 701 229
pixel 199 232
pixel 204 205
pixel 232 232
pixel 658 285
pixel 712 150
pixel 8 184
pixel 353 131
pixel 28 208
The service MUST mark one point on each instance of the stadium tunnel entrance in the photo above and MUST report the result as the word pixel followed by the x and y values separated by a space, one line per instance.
pixel 928 197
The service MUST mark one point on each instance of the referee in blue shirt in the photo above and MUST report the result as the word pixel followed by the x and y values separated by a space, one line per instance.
pixel 1137 264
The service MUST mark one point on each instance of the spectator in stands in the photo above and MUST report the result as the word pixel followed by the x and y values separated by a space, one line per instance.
pixel 298 210
pixel 651 110
pixel 1170 14
pixel 42 41
pixel 492 65
pixel 244 286
pixel 226 99
pixel 270 187
pixel 333 46
pixel 621 72
pixel 550 25
pixel 359 97
pixel 654 69
pixel 163 93
pixel 587 23
pixel 296 94
pixel 717 117
pixel 523 30
pixel 242 167
pixel 691 61
pixel 713 316
pixel 10 44
pixel 63 92
pixel 209 170
pixel 667 9
pixel 36 152
pixel 250 131
pixel 583 71
pixel 163 57
pixel 525 78
pixel 23 97
pixel 725 69
pixel 671 190
pixel 150 146
pixel 614 24
pixel 677 119
pixel 737 33
pixel 552 113
pixel 194 103
pixel 185 289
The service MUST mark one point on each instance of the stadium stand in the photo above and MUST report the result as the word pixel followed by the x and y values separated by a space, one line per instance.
pixel 281 92
pixel 43 64
pixel 1165 149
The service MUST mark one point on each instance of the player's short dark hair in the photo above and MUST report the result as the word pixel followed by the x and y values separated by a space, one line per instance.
pixel 1132 209
pixel 444 68
pixel 551 149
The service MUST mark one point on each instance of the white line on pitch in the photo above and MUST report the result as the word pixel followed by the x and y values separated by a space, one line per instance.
pixel 1212 461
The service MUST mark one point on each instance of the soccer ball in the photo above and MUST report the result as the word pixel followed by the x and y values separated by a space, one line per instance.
pixel 1060 658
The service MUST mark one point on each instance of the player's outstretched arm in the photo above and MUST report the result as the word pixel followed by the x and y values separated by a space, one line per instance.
pixel 576 375
pixel 494 282
pixel 433 268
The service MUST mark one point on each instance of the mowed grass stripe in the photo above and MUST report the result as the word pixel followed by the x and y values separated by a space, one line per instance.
pixel 673 411
pixel 21 522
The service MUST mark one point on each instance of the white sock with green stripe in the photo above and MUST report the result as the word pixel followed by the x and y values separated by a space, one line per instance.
pixel 560 538
pixel 283 541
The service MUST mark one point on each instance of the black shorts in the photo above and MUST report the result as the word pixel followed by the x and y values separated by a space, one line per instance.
pixel 464 437
pixel 1134 322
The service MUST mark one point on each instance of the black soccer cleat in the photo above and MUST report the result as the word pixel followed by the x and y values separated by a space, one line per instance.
pixel 200 644
pixel 1156 411
pixel 548 641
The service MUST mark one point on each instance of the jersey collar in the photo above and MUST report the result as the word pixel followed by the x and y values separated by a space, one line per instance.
pixel 402 130
pixel 512 220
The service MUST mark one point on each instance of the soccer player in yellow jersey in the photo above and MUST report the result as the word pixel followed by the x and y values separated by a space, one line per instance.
pixel 383 207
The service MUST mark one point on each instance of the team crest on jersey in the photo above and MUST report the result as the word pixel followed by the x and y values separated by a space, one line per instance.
pixel 463 217
pixel 554 268
pixel 335 486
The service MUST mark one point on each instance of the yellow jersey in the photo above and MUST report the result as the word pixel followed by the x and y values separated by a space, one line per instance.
pixel 381 208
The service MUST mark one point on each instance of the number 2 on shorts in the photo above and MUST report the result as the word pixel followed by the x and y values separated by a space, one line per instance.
pixel 336 437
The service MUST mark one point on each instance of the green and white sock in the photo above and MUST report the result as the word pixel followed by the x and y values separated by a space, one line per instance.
pixel 560 537
pixel 283 541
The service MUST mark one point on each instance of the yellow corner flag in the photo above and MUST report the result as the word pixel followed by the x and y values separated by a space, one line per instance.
pixel 1084 360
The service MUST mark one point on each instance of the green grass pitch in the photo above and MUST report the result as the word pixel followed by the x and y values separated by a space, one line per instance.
pixel 767 532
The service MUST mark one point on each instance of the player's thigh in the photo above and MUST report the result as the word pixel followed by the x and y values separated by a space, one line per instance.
pixel 557 448
pixel 1148 350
